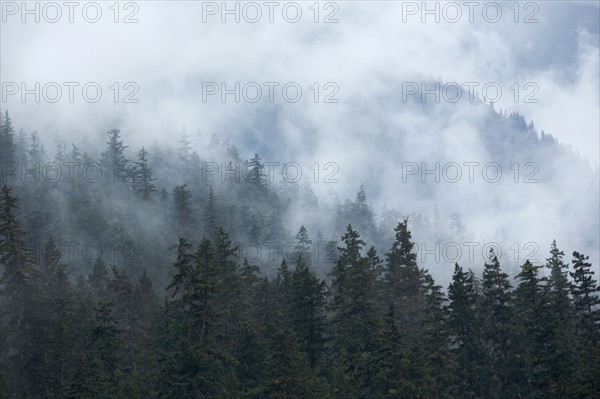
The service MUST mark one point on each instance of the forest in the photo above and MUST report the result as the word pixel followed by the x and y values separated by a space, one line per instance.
pixel 162 303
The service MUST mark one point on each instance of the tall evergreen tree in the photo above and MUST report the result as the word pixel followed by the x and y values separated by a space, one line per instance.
pixel 7 145
pixel 496 311
pixel 182 206
pixel 255 173
pixel 586 298
pixel 113 158
pixel 559 353
pixel 402 278
pixel 37 153
pixel 526 334
pixel 307 310
pixel 472 376
pixel 303 245
pixel 142 175
pixel 585 292
pixel 20 296
pixel 210 215
pixel 354 320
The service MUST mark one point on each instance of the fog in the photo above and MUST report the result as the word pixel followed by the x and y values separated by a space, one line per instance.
pixel 377 130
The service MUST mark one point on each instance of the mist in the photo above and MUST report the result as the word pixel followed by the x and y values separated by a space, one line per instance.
pixel 478 125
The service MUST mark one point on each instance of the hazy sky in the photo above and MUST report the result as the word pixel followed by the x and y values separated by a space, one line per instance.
pixel 171 52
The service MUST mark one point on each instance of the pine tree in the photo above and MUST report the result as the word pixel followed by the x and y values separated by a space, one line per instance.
pixel 496 311
pixel 75 155
pixel 354 320
pixel 402 278
pixel 527 335
pixel 210 215
pixel 113 159
pixel 290 375
pixel 185 151
pixel 464 323
pixel 254 173
pixel 21 148
pixel 97 375
pixel 434 334
pixel 193 365
pixel 559 353
pixel 584 290
pixel 390 359
pixel 37 153
pixel 249 282
pixel 303 245
pixel 7 146
pixel 20 295
pixel 61 154
pixel 12 245
pixel 361 213
pixel 142 175
pixel 182 206
pixel 147 309
pixel 307 310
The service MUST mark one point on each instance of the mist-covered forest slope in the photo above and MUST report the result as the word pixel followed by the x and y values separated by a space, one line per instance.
pixel 380 328
pixel 146 272
pixel 130 205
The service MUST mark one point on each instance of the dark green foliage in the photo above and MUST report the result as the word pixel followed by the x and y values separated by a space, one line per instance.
pixel 465 323
pixel 307 311
pixel 402 278
pixel 209 321
pixel 354 322
pixel 7 145
pixel 586 298
pixel 182 207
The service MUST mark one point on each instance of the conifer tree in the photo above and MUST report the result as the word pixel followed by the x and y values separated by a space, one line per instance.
pixel 20 295
pixel 472 376
pixel 496 311
pixel 37 153
pixel 402 278
pixel 182 206
pixel 210 215
pixel 114 162
pixel 558 353
pixel 307 310
pixel 527 334
pixel 142 175
pixel 586 298
pixel 354 320
pixel 7 145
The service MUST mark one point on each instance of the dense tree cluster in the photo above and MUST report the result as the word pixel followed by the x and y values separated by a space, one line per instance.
pixel 367 326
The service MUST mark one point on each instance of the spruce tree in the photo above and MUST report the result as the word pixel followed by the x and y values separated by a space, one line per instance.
pixel 307 310
pixel 496 311
pixel 559 353
pixel 20 296
pixel 586 298
pixel 7 145
pixel 114 162
pixel 210 215
pixel 402 278
pixel 182 207
pixel 472 376
pixel 142 175
pixel 355 319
